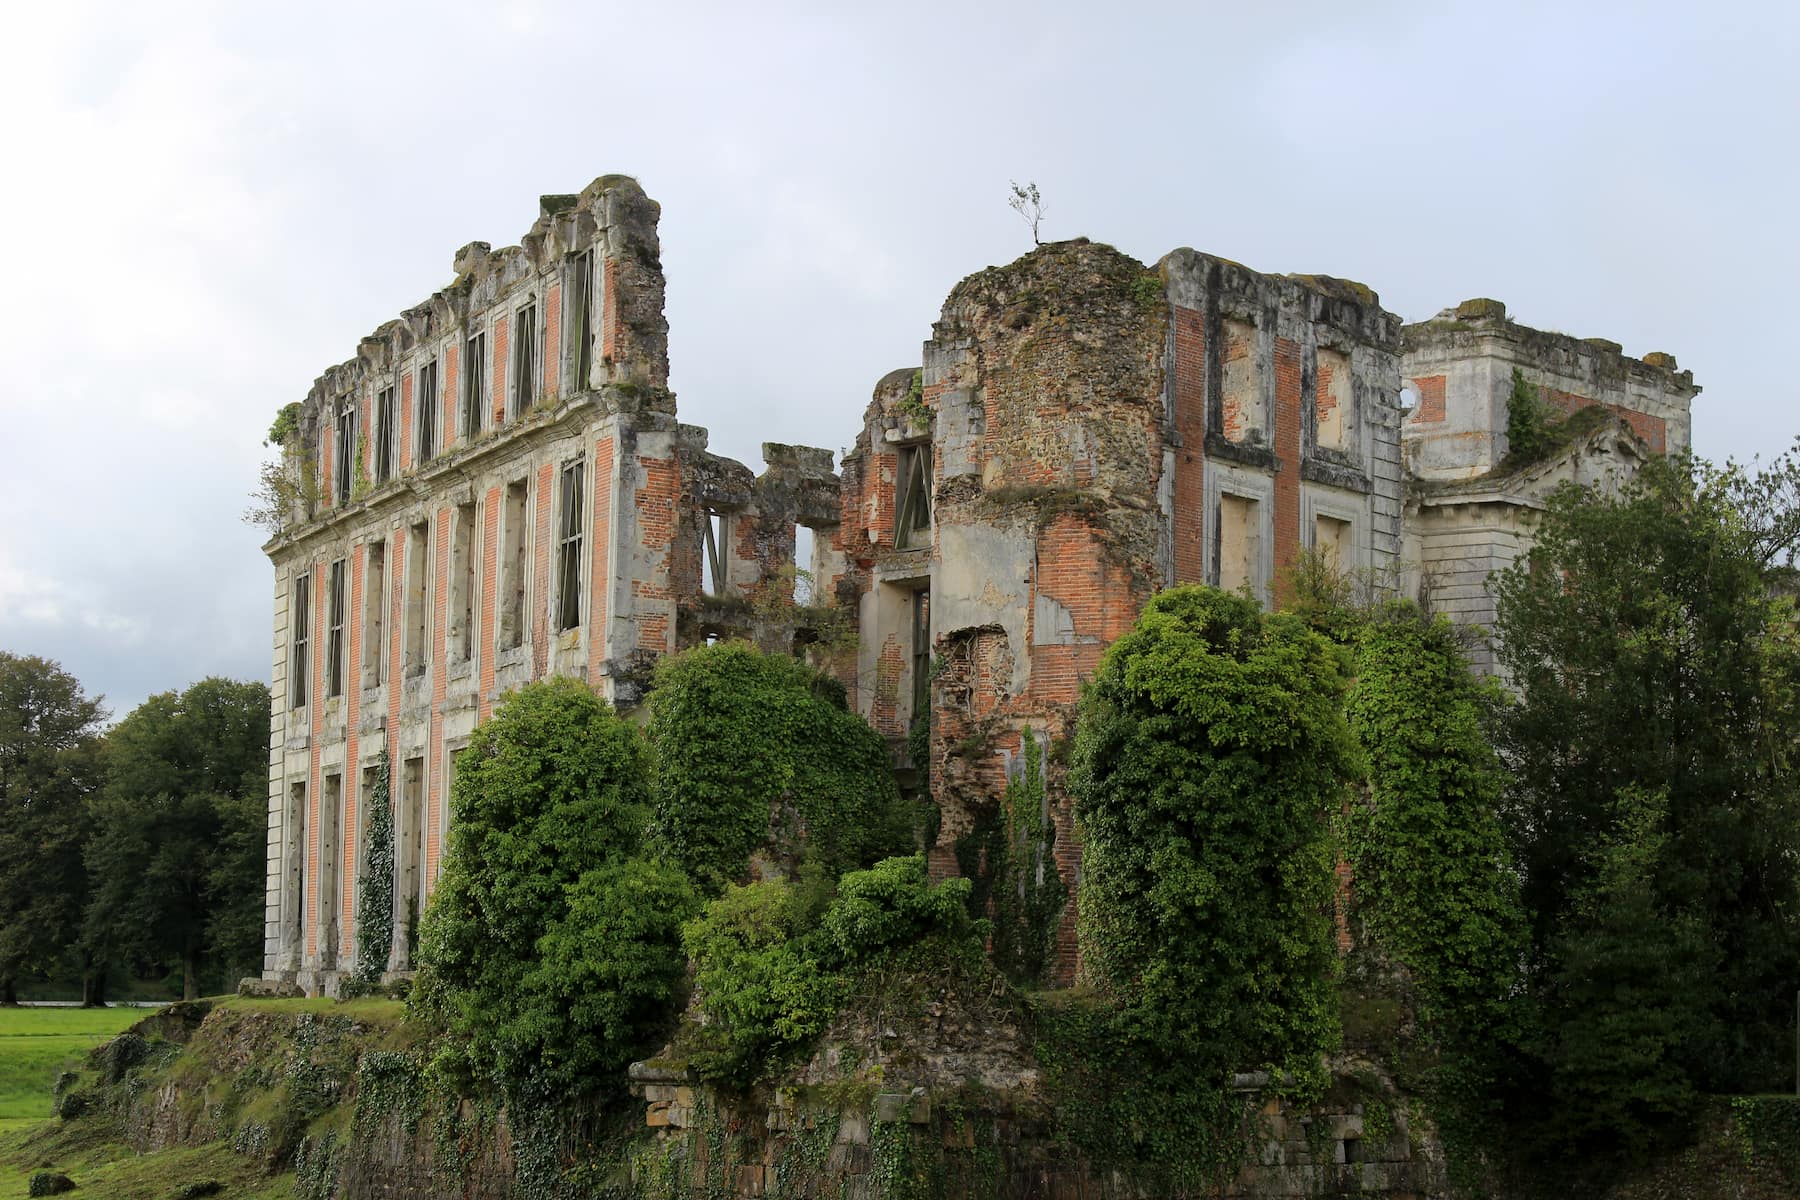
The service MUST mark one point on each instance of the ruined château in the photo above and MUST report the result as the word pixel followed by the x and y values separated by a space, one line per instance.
pixel 496 488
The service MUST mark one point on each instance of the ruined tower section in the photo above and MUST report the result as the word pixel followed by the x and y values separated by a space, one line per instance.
pixel 1001 525
pixel 494 490
pixel 1283 421
pixel 1472 502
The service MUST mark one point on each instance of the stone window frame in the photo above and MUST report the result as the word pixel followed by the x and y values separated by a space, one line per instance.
pixel 299 663
pixel 474 386
pixel 1315 503
pixel 428 434
pixel 345 414
pixel 1220 480
pixel 1355 450
pixel 1242 312
pixel 528 317
pixel 571 540
pixel 337 601
pixel 386 411
pixel 581 317
pixel 910 525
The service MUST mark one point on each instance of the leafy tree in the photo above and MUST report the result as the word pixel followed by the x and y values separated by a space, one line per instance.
pixel 738 735
pixel 1653 659
pixel 545 895
pixel 177 854
pixel 49 764
pixel 1211 745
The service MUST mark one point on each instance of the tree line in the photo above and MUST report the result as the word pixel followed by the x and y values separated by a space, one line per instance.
pixel 131 851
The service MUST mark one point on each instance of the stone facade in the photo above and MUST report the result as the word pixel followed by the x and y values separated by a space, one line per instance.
pixel 503 493
pixel 1082 430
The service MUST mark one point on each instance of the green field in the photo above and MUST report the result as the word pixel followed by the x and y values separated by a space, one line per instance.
pixel 36 1043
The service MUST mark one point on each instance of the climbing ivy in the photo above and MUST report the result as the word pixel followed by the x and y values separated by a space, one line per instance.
pixel 1434 886
pixel 1211 745
pixel 737 736
pixel 375 886
pixel 1028 893
pixel 1529 437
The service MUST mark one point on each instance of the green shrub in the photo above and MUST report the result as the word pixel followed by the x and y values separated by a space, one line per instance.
pixel 1210 747
pixel 737 734
pixel 544 893
pixel 890 904
pixel 772 970
pixel 761 987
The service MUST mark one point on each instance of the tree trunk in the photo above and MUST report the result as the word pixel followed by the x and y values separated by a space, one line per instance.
pixel 8 997
pixel 190 972
pixel 93 988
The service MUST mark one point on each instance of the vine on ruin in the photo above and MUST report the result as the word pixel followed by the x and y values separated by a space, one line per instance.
pixel 375 886
pixel 738 737
pixel 1211 746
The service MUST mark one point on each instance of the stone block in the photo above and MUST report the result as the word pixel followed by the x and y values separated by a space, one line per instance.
pixel 890 1106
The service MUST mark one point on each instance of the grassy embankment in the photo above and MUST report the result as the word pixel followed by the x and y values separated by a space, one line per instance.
pixel 35 1046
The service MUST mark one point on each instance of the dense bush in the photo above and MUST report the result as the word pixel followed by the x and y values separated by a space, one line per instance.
pixel 772 969
pixel 550 948
pixel 1211 746
pixel 1434 884
pixel 739 734
pixel 1426 849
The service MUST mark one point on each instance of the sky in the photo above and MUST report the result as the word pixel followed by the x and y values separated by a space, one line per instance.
pixel 208 204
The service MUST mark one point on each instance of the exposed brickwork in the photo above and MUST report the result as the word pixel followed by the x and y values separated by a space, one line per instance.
pixel 1189 534
pixel 500 340
pixel 1287 458
pixel 314 707
pixel 552 364
pixel 406 421
pixel 1654 430
pixel 600 533
pixel 449 393
pixel 490 576
pixel 434 766
pixel 1430 408
pixel 540 612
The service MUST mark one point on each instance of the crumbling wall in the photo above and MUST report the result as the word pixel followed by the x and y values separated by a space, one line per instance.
pixel 1459 366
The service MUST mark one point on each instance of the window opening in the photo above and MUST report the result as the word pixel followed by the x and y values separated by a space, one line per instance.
pixel 296 851
pixel 428 411
pixel 921 652
pixel 513 568
pixel 525 359
pixel 1331 541
pixel 568 549
pixel 581 320
pixel 462 576
pixel 331 809
pixel 374 620
pixel 384 435
pixel 299 621
pixel 474 377
pixel 1238 550
pixel 716 530
pixel 912 524
pixel 804 588
pixel 346 450
pixel 416 572
pixel 334 636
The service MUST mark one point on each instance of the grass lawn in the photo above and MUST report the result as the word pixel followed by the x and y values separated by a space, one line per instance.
pixel 36 1043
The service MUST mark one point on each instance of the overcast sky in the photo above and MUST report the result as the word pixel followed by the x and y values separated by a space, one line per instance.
pixel 206 205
